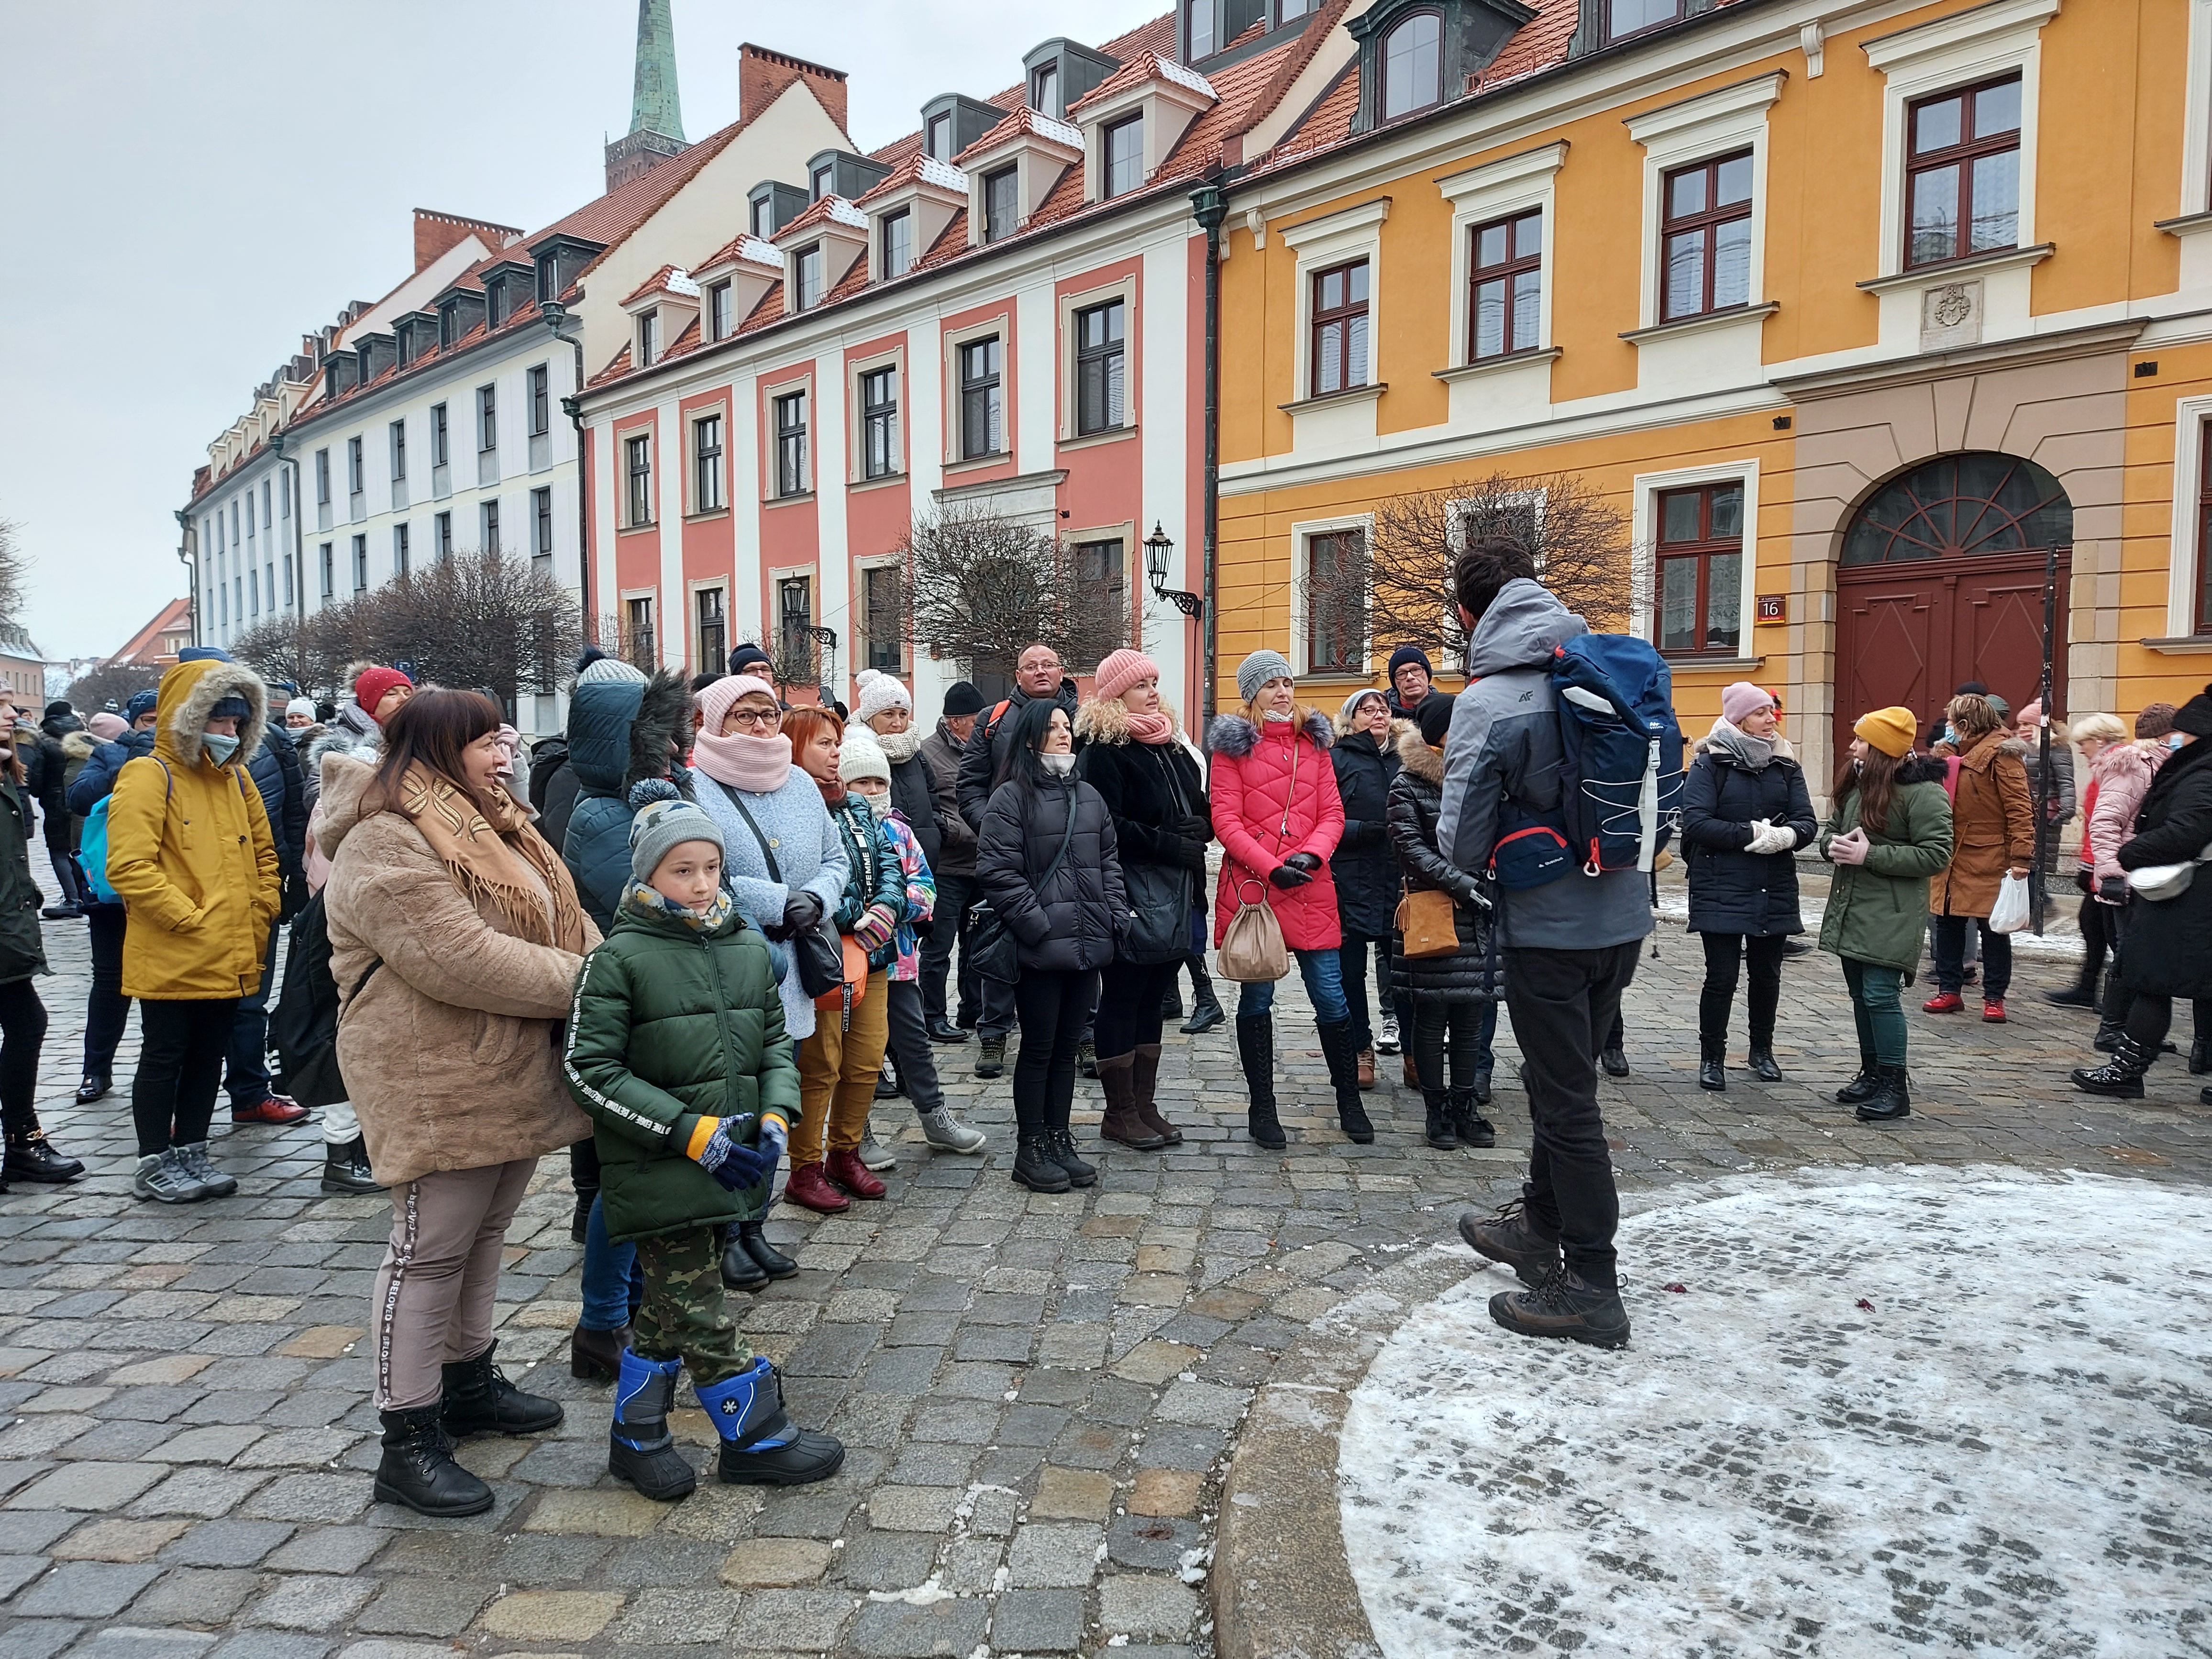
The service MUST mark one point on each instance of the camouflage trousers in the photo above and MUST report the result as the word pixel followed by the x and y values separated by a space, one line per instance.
pixel 683 1314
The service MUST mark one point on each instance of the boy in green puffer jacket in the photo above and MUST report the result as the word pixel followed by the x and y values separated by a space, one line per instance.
pixel 676 1050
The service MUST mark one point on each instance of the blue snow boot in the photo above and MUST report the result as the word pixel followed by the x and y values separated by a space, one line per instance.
pixel 760 1447
pixel 639 1449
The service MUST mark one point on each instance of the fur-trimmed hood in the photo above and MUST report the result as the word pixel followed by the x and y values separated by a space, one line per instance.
pixel 1923 769
pixel 1106 720
pixel 351 731
pixel 191 690
pixel 1236 737
pixel 1416 757
pixel 79 745
pixel 622 732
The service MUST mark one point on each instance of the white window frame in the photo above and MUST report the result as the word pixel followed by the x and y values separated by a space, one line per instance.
pixel 1499 190
pixel 2191 416
pixel 1958 50
pixel 953 338
pixel 692 590
pixel 1680 135
pixel 903 669
pixel 1125 290
pixel 1318 245
pixel 770 464
pixel 1643 550
pixel 1301 534
pixel 693 508
pixel 2196 117
pixel 622 437
pixel 856 452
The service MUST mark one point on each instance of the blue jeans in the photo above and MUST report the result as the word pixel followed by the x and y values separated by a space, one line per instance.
pixel 613 1286
pixel 1324 978
pixel 247 1062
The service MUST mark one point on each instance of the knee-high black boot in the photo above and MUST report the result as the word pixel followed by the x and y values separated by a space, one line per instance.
pixel 1256 1048
pixel 1344 1076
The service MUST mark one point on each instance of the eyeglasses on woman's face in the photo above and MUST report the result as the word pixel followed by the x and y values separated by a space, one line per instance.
pixel 752 720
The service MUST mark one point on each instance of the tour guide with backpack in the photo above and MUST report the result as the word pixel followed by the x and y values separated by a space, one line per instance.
pixel 1562 779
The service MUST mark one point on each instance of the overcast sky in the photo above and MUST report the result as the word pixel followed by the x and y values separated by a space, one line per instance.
pixel 192 185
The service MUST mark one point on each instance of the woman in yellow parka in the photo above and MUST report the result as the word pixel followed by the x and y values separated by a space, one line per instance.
pixel 190 852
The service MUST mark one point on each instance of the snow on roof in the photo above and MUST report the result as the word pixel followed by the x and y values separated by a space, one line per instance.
pixel 1183 76
pixel 755 251
pixel 943 174
pixel 845 213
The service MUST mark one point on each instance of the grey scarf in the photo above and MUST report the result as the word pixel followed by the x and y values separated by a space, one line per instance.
pixel 1751 753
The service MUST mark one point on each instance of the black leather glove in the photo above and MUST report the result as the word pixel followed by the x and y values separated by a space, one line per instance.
pixel 1288 875
pixel 800 912
pixel 1191 854
pixel 923 927
pixel 2113 889
pixel 1308 862
pixel 1194 828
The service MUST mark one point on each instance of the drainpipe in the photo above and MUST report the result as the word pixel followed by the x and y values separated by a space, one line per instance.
pixel 188 556
pixel 570 329
pixel 1209 205
pixel 299 529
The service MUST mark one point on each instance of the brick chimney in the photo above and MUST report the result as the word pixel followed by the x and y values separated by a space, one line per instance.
pixel 434 232
pixel 762 74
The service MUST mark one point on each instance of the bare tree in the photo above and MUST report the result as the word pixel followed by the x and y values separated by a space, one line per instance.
pixel 113 683
pixel 1579 538
pixel 15 568
pixel 305 651
pixel 979 587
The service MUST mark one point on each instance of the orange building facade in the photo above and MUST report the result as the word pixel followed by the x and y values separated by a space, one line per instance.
pixel 1855 314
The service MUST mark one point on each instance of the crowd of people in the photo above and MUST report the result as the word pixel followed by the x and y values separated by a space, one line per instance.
pixel 695 940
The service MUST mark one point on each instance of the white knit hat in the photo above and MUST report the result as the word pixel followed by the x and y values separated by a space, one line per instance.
pixel 862 757
pixel 879 691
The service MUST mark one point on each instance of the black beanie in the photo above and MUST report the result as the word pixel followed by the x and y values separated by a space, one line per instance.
pixel 744 656
pixel 1434 718
pixel 2195 716
pixel 1413 653
pixel 960 699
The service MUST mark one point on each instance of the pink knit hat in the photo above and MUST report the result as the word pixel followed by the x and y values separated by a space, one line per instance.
pixel 716 700
pixel 105 726
pixel 1740 701
pixel 1121 671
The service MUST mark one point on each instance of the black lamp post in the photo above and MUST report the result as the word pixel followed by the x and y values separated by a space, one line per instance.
pixel 1157 546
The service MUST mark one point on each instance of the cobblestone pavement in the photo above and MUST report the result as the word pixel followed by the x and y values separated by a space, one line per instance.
pixel 1039 1391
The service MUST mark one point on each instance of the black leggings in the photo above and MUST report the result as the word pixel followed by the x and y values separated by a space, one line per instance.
pixel 1129 998
pixel 22 1034
pixel 1439 1026
pixel 179 1066
pixel 2096 939
pixel 1051 1008
pixel 1722 952
pixel 106 1010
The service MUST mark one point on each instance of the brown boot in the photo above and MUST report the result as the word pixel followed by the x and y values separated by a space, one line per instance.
pixel 1147 1076
pixel 1366 1068
pixel 1117 1075
pixel 1412 1076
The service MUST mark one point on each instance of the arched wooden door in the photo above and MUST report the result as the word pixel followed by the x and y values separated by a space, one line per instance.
pixel 1942 581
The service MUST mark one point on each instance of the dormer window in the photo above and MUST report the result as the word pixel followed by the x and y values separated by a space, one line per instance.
pixel 495 303
pixel 1626 17
pixel 819 186
pixel 1131 122
pixel 938 138
pixel 763 221
pixel 649 338
pixel 1412 65
pixel 719 321
pixel 1044 89
pixel 1201 30
pixel 1002 199
pixel 1125 156
pixel 898 244
pixel 806 276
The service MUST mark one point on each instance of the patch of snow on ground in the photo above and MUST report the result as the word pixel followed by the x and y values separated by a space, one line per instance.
pixel 2007 1454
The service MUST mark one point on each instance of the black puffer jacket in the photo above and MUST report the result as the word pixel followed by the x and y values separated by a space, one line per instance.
pixel 552 787
pixel 2168 952
pixel 1076 920
pixel 274 769
pixel 988 760
pixel 1150 789
pixel 1364 864
pixel 1476 972
pixel 913 794
pixel 1731 891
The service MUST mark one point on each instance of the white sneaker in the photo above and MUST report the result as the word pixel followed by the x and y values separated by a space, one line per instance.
pixel 1386 1039
pixel 948 1133
pixel 874 1156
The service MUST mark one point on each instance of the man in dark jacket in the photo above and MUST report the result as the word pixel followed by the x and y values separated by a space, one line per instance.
pixel 1410 678
pixel 954 869
pixel 1570 947
pixel 986 762
pixel 47 771
pixel 552 787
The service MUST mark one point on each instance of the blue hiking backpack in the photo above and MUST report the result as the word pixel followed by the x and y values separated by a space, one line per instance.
pixel 92 851
pixel 1621 769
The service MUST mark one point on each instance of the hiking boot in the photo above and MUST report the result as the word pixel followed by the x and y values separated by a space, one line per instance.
pixel 1436 1123
pixel 739 1271
pixel 31 1158
pixel 946 1133
pixel 596 1356
pixel 276 1110
pixel 1206 1010
pixel 195 1159
pixel 774 1262
pixel 1468 1125
pixel 1943 1002
pixel 639 1449
pixel 346 1168
pixel 1891 1099
pixel 991 1058
pixel 1035 1168
pixel 1086 1060
pixel 2120 1077
pixel 1364 1058
pixel 2083 995
pixel 1145 1078
pixel 872 1154
pixel 1564 1305
pixel 1761 1061
pixel 417 1471
pixel 1061 1144
pixel 1511 1237
pixel 1386 1036
pixel 1121 1122
pixel 1344 1076
pixel 1255 1052
pixel 760 1446
pixel 1993 1012
pixel 1863 1087
pixel 162 1177
pixel 846 1170
pixel 809 1188
pixel 1614 1059
pixel 479 1399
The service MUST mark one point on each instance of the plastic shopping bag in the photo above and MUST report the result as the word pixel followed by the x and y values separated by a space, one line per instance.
pixel 2010 913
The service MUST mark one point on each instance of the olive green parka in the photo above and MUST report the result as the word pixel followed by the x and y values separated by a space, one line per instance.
pixel 672 1023
pixel 1878 911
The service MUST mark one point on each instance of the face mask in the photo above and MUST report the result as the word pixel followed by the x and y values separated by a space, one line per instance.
pixel 1059 765
pixel 2178 741
pixel 879 804
pixel 220 747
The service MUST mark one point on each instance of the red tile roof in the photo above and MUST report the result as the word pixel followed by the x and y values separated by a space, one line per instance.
pixel 1145 66
pixel 669 279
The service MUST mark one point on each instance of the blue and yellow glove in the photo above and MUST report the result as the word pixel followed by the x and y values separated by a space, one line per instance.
pixel 733 1165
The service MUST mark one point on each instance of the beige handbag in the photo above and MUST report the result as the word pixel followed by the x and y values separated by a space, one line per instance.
pixel 1252 949
pixel 1427 919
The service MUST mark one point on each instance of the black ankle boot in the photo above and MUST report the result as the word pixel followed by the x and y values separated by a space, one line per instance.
pixel 1035 1168
pixel 346 1170
pixel 2120 1077
pixel 1761 1061
pixel 1891 1099
pixel 418 1470
pixel 1079 1174
pixel 1468 1124
pixel 1344 1076
pixel 1712 1068
pixel 2109 1032
pixel 479 1399
pixel 1255 1049
pixel 774 1262
pixel 2200 1054
pixel 1204 1007
pixel 739 1271
pixel 1862 1087
pixel 1435 1106
pixel 31 1158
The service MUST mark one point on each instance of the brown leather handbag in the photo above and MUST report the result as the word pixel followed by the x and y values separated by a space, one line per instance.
pixel 1428 922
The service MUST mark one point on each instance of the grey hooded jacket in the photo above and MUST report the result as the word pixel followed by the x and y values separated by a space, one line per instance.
pixel 1505 743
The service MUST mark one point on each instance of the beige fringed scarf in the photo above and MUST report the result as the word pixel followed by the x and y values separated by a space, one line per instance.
pixel 488 852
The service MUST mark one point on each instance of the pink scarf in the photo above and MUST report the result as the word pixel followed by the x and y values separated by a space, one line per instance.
pixel 757 765
pixel 1154 728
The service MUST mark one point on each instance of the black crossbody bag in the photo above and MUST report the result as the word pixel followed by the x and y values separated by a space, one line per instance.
pixel 816 950
pixel 991 943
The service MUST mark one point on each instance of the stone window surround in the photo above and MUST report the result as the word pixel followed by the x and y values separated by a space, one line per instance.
pixel 1125 290
pixel 856 457
pixel 1643 542
pixel 1317 245
pixel 692 415
pixel 1302 534
pixel 950 341
pixel 2190 415
pixel 1677 134
pixel 1499 190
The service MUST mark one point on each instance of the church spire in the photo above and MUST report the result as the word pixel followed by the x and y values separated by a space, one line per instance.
pixel 656 120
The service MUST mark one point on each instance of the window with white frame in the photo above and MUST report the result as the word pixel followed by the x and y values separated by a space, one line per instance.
pixel 1693 569
pixel 898 244
pixel 1124 142
pixel 649 338
pixel 707 495
pixel 719 322
pixel 637 473
pixel 1336 618
pixel 1506 282
pixel 1338 263
pixel 883 616
pixel 806 276
pixel 2189 593
pixel 710 629
pixel 1101 357
pixel 1705 173
pixel 982 398
pixel 790 461
pixel 880 455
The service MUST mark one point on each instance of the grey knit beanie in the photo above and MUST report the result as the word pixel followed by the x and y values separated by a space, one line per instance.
pixel 664 819
pixel 600 671
pixel 1256 670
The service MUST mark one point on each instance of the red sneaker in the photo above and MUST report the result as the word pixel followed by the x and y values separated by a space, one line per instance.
pixel 809 1187
pixel 849 1172
pixel 275 1109
pixel 1992 1011
pixel 1943 1002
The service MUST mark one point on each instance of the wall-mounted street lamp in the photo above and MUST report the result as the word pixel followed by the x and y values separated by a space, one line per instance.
pixel 1157 546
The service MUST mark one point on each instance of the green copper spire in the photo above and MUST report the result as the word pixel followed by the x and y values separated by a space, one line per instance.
pixel 654 106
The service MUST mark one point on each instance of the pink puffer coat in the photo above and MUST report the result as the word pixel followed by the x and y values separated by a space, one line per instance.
pixel 2123 772
pixel 1250 778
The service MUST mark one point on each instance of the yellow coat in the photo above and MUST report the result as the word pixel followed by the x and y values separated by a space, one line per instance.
pixel 189 848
